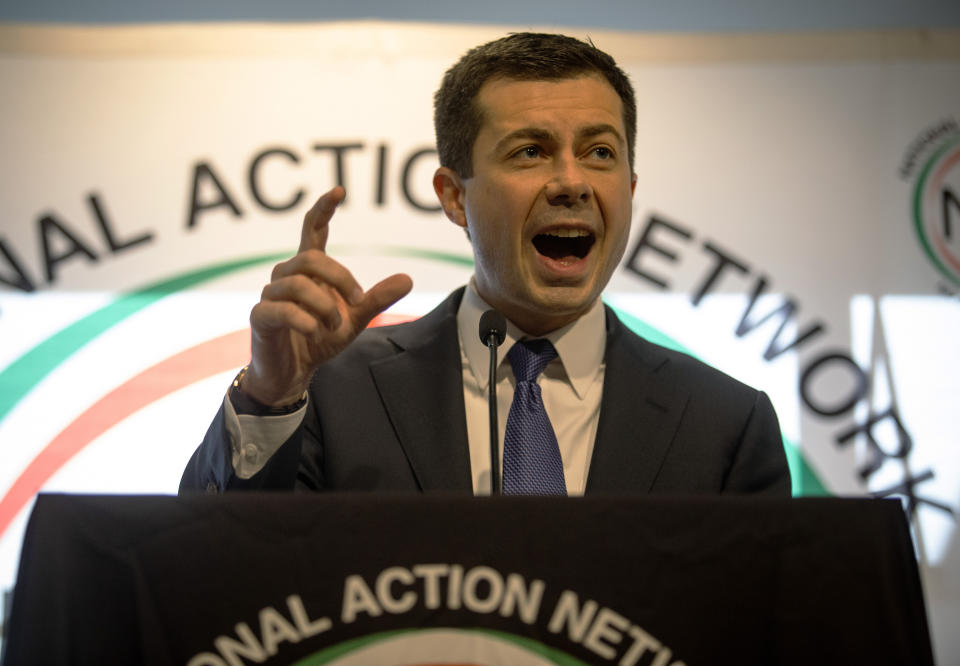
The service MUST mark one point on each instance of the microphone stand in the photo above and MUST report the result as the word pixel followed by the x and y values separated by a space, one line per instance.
pixel 493 331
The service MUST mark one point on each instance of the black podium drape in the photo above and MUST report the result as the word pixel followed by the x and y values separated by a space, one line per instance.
pixel 276 578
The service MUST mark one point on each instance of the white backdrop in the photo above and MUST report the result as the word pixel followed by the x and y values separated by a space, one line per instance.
pixel 153 175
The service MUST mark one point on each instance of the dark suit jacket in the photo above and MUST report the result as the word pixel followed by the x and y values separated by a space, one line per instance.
pixel 387 414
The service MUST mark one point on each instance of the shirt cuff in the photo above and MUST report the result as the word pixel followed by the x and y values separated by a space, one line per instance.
pixel 254 439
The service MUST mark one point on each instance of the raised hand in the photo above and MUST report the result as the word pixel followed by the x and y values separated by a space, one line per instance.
pixel 311 310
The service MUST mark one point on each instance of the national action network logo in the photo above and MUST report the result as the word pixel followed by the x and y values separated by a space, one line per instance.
pixel 936 197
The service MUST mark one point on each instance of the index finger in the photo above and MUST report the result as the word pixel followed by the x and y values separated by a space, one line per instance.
pixel 316 223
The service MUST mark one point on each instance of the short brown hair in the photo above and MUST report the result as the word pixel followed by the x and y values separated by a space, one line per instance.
pixel 524 56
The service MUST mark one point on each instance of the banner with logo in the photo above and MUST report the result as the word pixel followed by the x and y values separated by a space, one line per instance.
pixel 796 224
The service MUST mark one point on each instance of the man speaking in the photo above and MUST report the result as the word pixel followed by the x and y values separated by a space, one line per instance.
pixel 535 135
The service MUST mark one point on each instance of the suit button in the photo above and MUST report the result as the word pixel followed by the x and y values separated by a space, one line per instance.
pixel 212 488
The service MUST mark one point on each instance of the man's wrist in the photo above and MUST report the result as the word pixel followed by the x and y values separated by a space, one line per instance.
pixel 244 403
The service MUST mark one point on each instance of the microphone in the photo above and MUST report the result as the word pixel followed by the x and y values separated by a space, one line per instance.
pixel 493 331
pixel 492 323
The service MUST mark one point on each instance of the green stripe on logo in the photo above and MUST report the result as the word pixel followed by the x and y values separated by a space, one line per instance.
pixel 21 376
pixel 547 653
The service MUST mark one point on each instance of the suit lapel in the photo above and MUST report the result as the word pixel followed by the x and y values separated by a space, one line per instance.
pixel 422 391
pixel 639 415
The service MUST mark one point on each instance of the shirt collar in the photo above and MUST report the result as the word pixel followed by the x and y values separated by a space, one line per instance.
pixel 580 344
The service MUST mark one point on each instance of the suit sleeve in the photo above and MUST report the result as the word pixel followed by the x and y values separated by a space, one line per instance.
pixel 760 463
pixel 211 469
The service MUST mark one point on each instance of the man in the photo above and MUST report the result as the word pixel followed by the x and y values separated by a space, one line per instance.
pixel 535 135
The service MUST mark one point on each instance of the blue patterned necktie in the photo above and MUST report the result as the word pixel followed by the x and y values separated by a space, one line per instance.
pixel 531 456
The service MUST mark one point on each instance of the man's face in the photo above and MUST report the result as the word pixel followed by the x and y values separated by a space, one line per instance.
pixel 548 206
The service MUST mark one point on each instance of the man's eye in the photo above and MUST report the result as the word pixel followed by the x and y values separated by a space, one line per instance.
pixel 528 152
pixel 603 153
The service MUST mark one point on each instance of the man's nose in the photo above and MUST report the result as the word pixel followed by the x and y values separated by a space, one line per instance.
pixel 568 186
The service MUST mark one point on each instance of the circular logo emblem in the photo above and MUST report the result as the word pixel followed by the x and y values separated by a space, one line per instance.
pixel 936 209
pixel 441 647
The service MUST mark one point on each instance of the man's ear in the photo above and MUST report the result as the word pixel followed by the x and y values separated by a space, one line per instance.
pixel 633 183
pixel 451 192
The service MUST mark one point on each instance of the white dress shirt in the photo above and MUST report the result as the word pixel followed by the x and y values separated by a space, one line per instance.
pixel 571 384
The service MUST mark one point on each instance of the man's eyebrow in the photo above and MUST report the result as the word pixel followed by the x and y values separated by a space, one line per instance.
pixel 596 130
pixel 539 134
pixel 534 133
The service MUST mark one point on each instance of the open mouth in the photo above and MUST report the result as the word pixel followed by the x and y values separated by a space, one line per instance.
pixel 564 245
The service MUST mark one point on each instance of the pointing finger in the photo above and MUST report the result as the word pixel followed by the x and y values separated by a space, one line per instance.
pixel 316 222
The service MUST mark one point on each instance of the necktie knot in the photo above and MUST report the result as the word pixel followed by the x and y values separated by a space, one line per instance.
pixel 529 357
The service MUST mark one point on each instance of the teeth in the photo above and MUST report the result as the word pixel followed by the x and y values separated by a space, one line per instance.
pixel 567 233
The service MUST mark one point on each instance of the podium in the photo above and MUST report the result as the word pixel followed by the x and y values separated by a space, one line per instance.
pixel 402 580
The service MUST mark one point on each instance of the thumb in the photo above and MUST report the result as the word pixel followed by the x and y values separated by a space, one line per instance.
pixel 316 223
pixel 380 297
